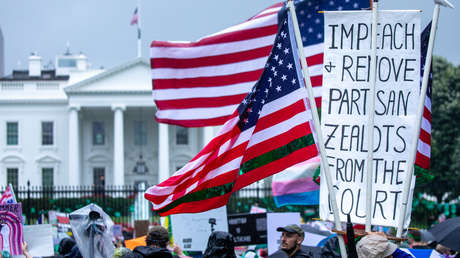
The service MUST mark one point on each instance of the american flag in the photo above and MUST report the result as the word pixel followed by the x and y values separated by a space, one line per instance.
pixel 8 196
pixel 422 159
pixel 135 18
pixel 268 132
pixel 200 83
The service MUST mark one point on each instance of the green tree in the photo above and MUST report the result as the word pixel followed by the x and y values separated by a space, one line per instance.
pixel 445 142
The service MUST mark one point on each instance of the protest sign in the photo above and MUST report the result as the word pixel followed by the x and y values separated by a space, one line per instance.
pixel 275 220
pixel 191 231
pixel 141 228
pixel 11 228
pixel 248 229
pixel 39 239
pixel 344 114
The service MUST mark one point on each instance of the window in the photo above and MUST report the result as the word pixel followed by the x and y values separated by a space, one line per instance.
pixel 181 135
pixel 47 133
pixel 12 177
pixel 99 177
pixel 140 133
pixel 12 133
pixel 98 133
pixel 47 177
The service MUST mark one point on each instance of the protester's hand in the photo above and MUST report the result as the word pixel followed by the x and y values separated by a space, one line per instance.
pixel 25 251
pixel 178 251
pixel 24 247
pixel 377 233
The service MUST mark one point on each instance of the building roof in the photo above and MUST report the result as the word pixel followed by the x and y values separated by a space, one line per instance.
pixel 46 75
pixel 78 86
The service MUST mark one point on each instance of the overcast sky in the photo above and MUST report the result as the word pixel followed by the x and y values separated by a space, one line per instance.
pixel 101 30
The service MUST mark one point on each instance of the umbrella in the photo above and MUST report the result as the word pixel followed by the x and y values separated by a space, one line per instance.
pixel 447 233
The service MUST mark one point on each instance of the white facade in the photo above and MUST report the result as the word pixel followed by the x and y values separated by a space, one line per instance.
pixel 102 121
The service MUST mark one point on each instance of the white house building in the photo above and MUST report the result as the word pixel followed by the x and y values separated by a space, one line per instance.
pixel 74 125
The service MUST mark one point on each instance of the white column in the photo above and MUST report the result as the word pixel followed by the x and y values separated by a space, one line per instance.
pixel 163 150
pixel 208 134
pixel 118 146
pixel 74 146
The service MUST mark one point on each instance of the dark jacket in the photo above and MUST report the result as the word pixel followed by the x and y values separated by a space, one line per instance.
pixel 151 252
pixel 303 252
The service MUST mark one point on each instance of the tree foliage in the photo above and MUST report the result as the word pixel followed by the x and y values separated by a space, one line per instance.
pixel 445 142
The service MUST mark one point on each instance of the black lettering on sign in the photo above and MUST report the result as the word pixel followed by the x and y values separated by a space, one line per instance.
pixel 333 26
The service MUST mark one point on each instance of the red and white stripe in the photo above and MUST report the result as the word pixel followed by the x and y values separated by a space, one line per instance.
pixel 218 163
pixel 8 196
pixel 424 144
pixel 201 83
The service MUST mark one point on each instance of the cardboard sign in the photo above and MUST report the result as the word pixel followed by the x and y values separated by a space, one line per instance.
pixel 345 111
pixel 141 227
pixel 39 239
pixel 248 229
pixel 11 228
pixel 192 231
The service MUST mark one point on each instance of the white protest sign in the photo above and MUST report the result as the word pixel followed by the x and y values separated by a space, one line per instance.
pixel 344 113
pixel 275 220
pixel 191 231
pixel 39 239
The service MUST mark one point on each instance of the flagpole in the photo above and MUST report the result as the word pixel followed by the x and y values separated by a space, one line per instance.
pixel 420 109
pixel 317 126
pixel 370 122
pixel 139 41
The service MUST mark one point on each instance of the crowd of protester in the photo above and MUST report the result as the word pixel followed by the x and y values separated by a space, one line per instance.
pixel 222 245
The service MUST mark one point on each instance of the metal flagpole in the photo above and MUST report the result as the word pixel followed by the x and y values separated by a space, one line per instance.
pixel 420 108
pixel 370 123
pixel 139 41
pixel 314 110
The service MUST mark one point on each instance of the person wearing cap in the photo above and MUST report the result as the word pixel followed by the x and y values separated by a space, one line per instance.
pixel 157 241
pixel 291 242
pixel 376 245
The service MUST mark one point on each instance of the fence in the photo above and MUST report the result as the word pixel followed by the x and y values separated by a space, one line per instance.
pixel 120 202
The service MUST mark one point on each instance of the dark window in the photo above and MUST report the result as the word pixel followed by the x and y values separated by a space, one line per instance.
pixel 140 133
pixel 47 177
pixel 12 177
pixel 98 133
pixel 181 135
pixel 12 133
pixel 99 177
pixel 47 133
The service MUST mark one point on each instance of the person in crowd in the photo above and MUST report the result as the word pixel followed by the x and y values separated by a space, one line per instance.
pixel 157 241
pixel 220 245
pixel 68 248
pixel 376 245
pixel 291 243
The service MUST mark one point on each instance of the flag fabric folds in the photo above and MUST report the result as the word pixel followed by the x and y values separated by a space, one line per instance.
pixel 267 133
pixel 200 83
pixel 8 196
pixel 295 185
pixel 422 160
